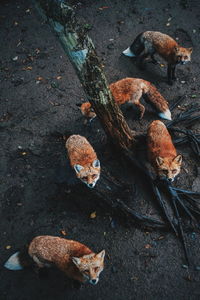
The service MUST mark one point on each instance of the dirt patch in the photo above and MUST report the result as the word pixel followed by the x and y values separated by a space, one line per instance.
pixel 39 92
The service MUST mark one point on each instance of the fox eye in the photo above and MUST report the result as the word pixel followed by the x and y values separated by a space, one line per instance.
pixel 174 171
pixel 86 271
pixel 94 176
pixel 165 172
pixel 185 57
pixel 96 269
pixel 84 178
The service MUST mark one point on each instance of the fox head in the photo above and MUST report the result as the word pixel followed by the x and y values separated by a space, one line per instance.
pixel 90 266
pixel 87 110
pixel 88 174
pixel 183 55
pixel 168 168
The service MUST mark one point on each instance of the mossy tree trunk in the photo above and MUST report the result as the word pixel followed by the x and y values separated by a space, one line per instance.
pixel 81 52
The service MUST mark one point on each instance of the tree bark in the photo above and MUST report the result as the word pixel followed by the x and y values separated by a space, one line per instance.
pixel 81 52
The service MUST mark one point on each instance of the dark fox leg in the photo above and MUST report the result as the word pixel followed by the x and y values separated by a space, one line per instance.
pixel 141 108
pixel 135 99
pixel 173 72
pixel 142 59
pixel 153 60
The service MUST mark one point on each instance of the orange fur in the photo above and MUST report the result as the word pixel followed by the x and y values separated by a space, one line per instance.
pixel 161 151
pixel 148 43
pixel 83 159
pixel 131 90
pixel 71 257
pixel 166 47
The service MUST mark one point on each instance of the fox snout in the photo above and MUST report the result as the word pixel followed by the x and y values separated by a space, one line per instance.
pixel 94 281
pixel 91 185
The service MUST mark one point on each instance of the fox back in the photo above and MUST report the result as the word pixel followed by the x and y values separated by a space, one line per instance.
pixel 161 151
pixel 83 159
pixel 131 90
pixel 76 260
pixel 165 46
pixel 71 257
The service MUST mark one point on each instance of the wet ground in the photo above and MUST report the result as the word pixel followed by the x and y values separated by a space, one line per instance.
pixel 39 92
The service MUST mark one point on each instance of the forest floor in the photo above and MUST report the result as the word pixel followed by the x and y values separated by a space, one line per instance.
pixel 39 91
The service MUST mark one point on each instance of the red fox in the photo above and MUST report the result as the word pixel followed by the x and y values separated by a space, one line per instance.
pixel 83 159
pixel 73 258
pixel 131 90
pixel 161 151
pixel 150 42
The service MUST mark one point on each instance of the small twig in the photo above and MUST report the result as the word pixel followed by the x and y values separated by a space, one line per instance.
pixel 176 103
pixel 181 230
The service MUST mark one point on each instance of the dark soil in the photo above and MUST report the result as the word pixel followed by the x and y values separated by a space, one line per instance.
pixel 39 93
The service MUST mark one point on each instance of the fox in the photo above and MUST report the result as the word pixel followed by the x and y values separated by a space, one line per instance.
pixel 76 260
pixel 131 90
pixel 148 43
pixel 83 159
pixel 161 152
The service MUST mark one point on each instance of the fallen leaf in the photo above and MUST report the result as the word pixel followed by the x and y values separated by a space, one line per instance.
pixel 93 215
pixel 39 78
pixel 103 7
pixel 15 58
pixel 135 278
pixel 181 108
pixel 23 153
pixel 63 232
pixel 8 247
pixel 58 77
pixel 168 24
pixel 162 65
pixel 147 246
pixel 37 50
pixel 19 43
pixel 27 68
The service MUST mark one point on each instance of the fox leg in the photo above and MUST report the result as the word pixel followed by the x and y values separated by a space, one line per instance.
pixel 173 72
pixel 136 100
pixel 38 262
pixel 154 61
pixel 142 59
pixel 141 108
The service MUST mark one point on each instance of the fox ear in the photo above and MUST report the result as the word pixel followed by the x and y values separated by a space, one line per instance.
pixel 176 48
pixel 78 168
pixel 101 254
pixel 96 163
pixel 76 261
pixel 178 159
pixel 190 50
pixel 159 160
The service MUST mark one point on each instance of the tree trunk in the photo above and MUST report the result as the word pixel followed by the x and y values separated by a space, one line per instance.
pixel 81 52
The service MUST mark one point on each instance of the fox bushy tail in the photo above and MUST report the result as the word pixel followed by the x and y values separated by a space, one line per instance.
pixel 19 260
pixel 136 47
pixel 155 99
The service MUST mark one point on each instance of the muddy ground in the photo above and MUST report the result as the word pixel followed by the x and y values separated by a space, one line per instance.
pixel 39 92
